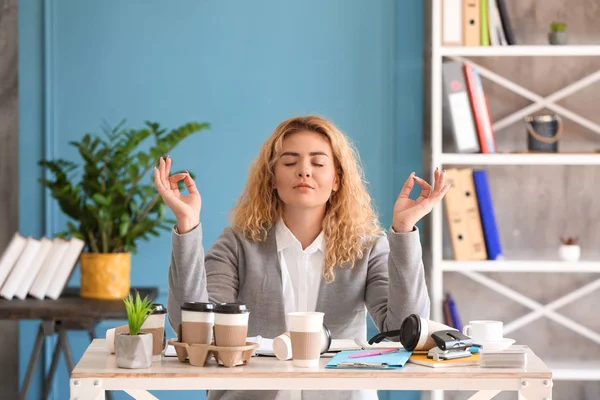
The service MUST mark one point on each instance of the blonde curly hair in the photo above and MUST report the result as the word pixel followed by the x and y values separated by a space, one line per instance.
pixel 350 224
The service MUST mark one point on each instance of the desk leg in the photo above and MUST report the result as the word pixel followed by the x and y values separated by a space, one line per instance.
pixel 535 389
pixel 84 389
pixel 35 355
pixel 92 337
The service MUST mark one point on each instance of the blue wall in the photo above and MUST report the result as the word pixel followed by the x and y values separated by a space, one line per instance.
pixel 242 66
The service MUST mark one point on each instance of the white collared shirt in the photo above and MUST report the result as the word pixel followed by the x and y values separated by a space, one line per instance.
pixel 301 274
pixel 301 269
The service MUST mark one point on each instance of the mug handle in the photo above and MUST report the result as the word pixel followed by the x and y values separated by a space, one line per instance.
pixel 466 330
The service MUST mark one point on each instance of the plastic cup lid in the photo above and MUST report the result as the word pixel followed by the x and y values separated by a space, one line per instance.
pixel 410 332
pixel 198 306
pixel 158 309
pixel 231 308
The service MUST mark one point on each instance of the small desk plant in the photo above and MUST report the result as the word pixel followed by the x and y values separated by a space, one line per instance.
pixel 558 33
pixel 133 349
pixel 569 249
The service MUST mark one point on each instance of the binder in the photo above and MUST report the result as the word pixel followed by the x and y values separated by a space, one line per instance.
pixel 473 219
pixel 488 219
pixel 480 110
pixel 456 216
pixel 471 22
pixel 506 24
pixel 452 34
pixel 483 24
pixel 460 134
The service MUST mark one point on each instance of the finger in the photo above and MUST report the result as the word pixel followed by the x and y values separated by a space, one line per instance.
pixel 168 163
pixel 163 173
pixel 441 181
pixel 437 197
pixel 190 184
pixel 408 185
pixel 173 182
pixel 425 187
pixel 158 182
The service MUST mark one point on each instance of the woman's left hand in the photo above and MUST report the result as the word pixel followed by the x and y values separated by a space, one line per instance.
pixel 408 212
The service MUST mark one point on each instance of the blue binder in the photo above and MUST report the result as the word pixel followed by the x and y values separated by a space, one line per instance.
pixel 488 219
pixel 393 360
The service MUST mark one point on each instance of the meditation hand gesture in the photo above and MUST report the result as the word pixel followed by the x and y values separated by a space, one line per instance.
pixel 186 208
pixel 408 212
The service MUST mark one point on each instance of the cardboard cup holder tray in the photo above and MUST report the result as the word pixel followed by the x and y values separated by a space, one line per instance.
pixel 199 354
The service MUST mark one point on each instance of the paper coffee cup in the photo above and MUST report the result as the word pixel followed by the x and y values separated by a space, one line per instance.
pixel 110 340
pixel 197 321
pixel 415 333
pixel 306 336
pixel 231 324
pixel 111 335
pixel 155 324
pixel 282 344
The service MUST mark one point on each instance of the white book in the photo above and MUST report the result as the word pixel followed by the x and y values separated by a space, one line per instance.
pixel 37 264
pixel 11 255
pixel 42 280
pixel 20 269
pixel 65 267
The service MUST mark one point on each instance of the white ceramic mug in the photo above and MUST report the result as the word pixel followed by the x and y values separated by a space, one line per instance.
pixel 484 331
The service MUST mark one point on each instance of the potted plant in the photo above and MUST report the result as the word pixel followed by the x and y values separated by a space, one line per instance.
pixel 569 249
pixel 111 201
pixel 558 33
pixel 133 349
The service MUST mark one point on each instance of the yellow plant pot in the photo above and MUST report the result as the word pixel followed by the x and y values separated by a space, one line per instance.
pixel 105 275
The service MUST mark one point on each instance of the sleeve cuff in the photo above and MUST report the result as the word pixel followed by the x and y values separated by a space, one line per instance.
pixel 193 232
pixel 393 232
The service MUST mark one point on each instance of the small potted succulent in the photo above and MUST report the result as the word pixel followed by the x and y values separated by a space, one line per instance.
pixel 569 249
pixel 133 349
pixel 558 33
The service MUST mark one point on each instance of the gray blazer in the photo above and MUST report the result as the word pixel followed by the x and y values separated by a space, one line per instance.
pixel 388 282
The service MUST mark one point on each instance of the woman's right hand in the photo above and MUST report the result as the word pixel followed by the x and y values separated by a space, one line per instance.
pixel 186 208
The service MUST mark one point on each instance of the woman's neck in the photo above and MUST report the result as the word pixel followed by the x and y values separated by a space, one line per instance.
pixel 305 224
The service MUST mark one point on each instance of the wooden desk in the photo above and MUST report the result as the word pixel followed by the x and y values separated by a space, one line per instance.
pixel 68 312
pixel 97 372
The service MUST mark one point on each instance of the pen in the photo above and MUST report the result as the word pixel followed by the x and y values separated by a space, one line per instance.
pixel 372 353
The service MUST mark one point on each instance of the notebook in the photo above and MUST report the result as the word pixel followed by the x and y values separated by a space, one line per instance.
pixel 393 360
pixel 422 359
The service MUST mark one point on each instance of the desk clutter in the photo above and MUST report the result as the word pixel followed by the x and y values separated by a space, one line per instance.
pixel 219 332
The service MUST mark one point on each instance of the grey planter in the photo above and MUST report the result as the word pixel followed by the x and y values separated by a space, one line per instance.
pixel 133 351
pixel 558 37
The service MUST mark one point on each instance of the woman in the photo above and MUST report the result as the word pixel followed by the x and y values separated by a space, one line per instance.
pixel 304 237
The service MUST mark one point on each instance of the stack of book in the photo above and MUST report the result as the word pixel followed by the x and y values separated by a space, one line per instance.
pixel 513 357
pixel 38 267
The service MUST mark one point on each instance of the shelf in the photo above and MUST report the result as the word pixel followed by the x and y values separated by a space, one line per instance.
pixel 521 266
pixel 574 370
pixel 521 51
pixel 521 159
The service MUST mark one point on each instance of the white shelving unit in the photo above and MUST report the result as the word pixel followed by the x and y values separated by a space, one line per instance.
pixel 562 369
